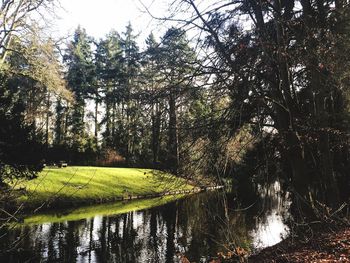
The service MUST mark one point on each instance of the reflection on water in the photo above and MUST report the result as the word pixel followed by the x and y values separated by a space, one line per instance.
pixel 270 232
pixel 270 228
pixel 198 226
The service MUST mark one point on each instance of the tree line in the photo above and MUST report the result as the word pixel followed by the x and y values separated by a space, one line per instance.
pixel 99 102
pixel 262 94
pixel 134 101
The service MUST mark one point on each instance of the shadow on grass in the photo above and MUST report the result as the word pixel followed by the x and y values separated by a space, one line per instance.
pixel 168 181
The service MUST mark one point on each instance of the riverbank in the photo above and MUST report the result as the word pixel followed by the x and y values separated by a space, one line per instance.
pixel 75 186
pixel 87 212
pixel 326 244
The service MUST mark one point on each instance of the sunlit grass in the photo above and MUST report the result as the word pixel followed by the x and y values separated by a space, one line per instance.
pixel 103 210
pixel 74 185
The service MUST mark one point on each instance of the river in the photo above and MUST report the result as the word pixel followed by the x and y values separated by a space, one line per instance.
pixel 197 226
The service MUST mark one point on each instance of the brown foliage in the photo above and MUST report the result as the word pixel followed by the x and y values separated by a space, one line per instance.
pixel 110 157
pixel 325 246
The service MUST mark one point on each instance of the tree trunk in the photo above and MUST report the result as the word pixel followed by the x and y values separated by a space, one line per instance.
pixel 108 132
pixel 173 157
pixel 287 129
pixel 96 119
pixel 330 183
pixel 156 115
pixel 48 104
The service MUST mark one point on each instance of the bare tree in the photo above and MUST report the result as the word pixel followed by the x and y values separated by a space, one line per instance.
pixel 16 17
pixel 279 64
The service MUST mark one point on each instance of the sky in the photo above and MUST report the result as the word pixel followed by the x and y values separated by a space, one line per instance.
pixel 100 17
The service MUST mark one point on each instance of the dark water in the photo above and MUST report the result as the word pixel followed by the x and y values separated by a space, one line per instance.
pixel 197 226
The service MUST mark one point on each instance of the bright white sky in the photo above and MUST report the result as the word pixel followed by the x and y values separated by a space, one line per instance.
pixel 100 17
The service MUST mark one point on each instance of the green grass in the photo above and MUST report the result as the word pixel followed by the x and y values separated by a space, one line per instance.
pixel 104 210
pixel 84 185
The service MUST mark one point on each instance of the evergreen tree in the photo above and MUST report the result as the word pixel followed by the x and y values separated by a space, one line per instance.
pixel 30 77
pixel 108 59
pixel 152 87
pixel 177 67
pixel 80 79
pixel 129 126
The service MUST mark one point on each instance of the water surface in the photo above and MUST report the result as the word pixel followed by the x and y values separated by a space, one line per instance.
pixel 197 226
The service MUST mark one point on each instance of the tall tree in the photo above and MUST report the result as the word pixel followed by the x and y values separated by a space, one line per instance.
pixel 177 67
pixel 108 59
pixel 152 85
pixel 31 77
pixel 130 86
pixel 80 79
pixel 280 69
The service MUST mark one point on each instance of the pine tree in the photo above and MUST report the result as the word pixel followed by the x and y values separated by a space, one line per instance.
pixel 129 126
pixel 80 79
pixel 152 87
pixel 177 67
pixel 108 57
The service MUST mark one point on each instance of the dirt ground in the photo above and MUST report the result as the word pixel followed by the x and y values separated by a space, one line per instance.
pixel 323 245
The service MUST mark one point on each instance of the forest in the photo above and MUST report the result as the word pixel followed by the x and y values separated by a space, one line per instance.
pixel 240 93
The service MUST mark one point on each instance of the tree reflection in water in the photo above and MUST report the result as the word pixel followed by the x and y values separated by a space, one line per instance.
pixel 198 226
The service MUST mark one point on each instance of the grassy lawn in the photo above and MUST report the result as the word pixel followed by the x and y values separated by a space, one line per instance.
pixel 82 185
